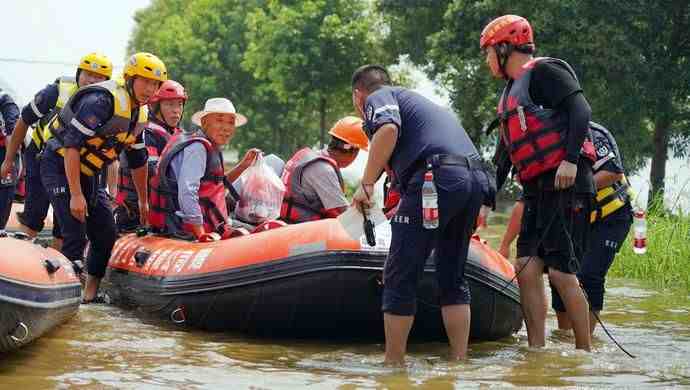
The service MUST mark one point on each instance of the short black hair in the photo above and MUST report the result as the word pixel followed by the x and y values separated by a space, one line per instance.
pixel 370 77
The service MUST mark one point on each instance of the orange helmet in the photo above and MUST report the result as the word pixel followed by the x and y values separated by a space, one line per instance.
pixel 349 130
pixel 511 29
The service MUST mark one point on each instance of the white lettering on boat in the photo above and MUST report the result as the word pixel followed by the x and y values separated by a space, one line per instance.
pixel 182 259
pixel 200 259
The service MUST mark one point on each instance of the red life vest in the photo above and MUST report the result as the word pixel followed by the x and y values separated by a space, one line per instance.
pixel 297 205
pixel 155 139
pixel 391 194
pixel 163 194
pixel 535 137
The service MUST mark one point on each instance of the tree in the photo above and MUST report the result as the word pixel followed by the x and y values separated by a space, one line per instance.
pixel 631 57
pixel 306 51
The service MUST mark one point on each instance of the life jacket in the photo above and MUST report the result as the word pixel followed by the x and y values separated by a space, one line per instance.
pixel 104 144
pixel 534 136
pixel 618 194
pixel 297 206
pixel 391 194
pixel 163 195
pixel 155 139
pixel 40 132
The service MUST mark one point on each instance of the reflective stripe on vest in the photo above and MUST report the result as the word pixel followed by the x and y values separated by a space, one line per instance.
pixel 297 207
pixel 40 133
pixel 155 139
pixel 163 196
pixel 105 143
pixel 610 199
pixel 535 137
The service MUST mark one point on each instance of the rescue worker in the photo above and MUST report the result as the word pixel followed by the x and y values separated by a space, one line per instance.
pixel 611 220
pixel 165 112
pixel 92 68
pixel 9 112
pixel 314 185
pixel 188 192
pixel 544 119
pixel 415 136
pixel 97 123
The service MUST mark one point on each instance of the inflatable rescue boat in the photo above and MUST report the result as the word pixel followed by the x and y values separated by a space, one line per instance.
pixel 38 291
pixel 308 280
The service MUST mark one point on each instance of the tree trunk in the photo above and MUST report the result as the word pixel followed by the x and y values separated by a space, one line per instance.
pixel 657 172
pixel 322 114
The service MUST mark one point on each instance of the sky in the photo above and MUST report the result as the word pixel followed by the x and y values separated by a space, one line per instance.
pixel 60 31
pixel 64 31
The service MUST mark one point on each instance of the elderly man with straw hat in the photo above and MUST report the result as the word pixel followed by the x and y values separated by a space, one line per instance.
pixel 188 192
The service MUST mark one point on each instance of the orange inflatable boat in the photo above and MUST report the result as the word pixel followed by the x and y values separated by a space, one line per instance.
pixel 38 291
pixel 306 280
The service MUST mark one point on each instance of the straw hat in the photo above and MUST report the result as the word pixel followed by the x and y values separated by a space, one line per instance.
pixel 219 106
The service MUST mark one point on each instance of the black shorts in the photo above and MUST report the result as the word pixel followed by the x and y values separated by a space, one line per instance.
pixel 555 227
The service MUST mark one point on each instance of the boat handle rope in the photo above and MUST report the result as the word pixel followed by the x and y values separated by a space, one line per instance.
pixel 181 320
pixel 16 339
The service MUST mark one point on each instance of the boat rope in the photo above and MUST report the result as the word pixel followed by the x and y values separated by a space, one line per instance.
pixel 25 328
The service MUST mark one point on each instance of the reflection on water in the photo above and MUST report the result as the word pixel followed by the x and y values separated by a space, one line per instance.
pixel 107 347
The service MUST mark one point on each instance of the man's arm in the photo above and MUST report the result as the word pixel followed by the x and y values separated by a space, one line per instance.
pixel 137 159
pixel 10 113
pixel 77 202
pixel 513 228
pixel 380 151
pixel 189 166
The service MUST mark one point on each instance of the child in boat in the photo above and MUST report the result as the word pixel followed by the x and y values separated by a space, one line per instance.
pixel 188 192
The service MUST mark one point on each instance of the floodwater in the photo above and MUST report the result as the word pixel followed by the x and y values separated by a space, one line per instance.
pixel 105 347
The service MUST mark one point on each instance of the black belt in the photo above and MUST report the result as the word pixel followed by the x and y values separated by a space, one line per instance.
pixel 437 160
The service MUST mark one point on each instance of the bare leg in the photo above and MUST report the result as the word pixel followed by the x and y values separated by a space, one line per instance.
pixel 592 321
pixel 575 304
pixel 397 329
pixel 91 288
pixel 456 319
pixel 533 299
pixel 564 322
pixel 56 244
pixel 27 230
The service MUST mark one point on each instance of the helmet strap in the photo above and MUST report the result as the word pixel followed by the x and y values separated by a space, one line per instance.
pixel 129 85
pixel 503 52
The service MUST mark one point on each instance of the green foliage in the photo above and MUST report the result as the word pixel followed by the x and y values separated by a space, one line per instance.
pixel 304 52
pixel 667 261
pixel 275 60
pixel 631 57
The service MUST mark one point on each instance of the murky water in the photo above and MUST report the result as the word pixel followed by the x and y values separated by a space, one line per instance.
pixel 107 347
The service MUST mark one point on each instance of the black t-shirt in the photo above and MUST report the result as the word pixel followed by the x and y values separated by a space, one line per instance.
pixel 551 83
pixel 550 86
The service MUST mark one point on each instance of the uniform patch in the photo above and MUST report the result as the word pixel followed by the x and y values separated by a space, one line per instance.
pixel 602 148
pixel 91 121
pixel 370 113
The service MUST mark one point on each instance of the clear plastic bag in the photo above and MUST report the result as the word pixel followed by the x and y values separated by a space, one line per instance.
pixel 261 193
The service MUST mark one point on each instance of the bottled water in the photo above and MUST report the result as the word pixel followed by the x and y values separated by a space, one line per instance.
pixel 640 232
pixel 429 202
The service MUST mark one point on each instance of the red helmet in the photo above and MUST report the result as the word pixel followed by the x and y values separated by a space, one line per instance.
pixel 511 29
pixel 170 89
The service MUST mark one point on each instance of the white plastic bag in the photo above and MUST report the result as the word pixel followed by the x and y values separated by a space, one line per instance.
pixel 261 195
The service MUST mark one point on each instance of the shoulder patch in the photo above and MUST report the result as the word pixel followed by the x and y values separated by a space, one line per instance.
pixel 602 147
pixel 369 112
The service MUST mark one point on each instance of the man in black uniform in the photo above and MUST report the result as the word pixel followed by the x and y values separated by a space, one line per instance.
pixel 544 130
pixel 414 137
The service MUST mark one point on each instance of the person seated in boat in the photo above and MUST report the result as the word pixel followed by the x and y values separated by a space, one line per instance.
pixel 188 192
pixel 165 113
pixel 313 183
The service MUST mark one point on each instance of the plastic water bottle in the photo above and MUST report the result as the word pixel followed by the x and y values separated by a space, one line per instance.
pixel 429 202
pixel 639 232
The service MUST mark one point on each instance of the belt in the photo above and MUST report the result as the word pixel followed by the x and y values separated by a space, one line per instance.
pixel 437 160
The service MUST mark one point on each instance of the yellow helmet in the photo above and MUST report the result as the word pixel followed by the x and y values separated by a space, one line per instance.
pixel 146 65
pixel 97 63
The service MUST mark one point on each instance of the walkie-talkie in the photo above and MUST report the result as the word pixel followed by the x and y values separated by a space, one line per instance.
pixel 369 230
